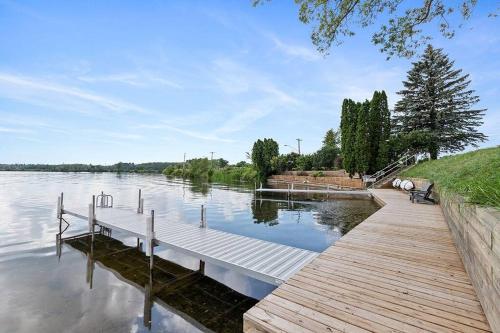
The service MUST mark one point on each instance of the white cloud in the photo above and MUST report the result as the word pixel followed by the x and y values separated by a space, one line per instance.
pixel 14 130
pixel 37 91
pixel 294 50
pixel 191 133
pixel 124 136
pixel 241 120
pixel 263 95
pixel 139 79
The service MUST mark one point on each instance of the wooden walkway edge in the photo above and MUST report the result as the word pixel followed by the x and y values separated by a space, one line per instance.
pixel 397 271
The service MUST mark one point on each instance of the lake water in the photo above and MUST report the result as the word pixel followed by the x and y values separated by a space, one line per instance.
pixel 42 292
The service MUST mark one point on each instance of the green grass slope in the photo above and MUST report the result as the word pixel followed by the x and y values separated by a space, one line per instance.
pixel 474 175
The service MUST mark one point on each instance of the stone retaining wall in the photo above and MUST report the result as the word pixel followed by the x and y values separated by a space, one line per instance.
pixel 476 232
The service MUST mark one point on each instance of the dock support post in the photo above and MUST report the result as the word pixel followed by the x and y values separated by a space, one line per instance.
pixel 140 206
pixel 203 219
pixel 150 238
pixel 60 209
pixel 203 224
pixel 148 301
pixel 90 265
pixel 202 267
pixel 92 217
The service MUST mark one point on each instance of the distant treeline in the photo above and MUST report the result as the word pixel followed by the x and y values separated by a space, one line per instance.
pixel 151 167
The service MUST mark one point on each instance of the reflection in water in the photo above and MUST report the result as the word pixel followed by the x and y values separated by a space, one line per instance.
pixel 339 215
pixel 265 211
pixel 200 300
pixel 44 290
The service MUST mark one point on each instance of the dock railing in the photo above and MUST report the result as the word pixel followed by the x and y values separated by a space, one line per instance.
pixel 372 180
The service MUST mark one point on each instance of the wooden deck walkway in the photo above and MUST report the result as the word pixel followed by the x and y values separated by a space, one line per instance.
pixel 398 271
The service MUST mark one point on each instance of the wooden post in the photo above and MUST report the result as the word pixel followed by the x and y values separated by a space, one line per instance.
pixel 103 204
pixel 202 267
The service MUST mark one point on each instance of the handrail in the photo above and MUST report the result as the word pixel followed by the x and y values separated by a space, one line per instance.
pixel 388 170
pixel 104 200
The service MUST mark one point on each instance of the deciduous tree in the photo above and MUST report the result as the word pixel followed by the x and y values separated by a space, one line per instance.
pixel 401 30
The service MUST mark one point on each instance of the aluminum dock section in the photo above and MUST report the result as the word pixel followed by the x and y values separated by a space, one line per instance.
pixel 397 271
pixel 354 194
pixel 266 261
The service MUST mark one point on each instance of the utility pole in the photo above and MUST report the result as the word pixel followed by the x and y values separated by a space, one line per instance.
pixel 212 159
pixel 298 144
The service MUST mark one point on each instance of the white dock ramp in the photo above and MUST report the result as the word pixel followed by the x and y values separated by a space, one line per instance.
pixel 266 261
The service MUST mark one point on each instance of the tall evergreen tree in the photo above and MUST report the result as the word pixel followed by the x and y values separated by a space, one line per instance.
pixel 362 143
pixel 263 152
pixel 385 132
pixel 331 138
pixel 437 102
pixel 375 131
pixel 348 124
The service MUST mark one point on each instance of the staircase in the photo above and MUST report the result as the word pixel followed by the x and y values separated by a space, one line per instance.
pixel 381 177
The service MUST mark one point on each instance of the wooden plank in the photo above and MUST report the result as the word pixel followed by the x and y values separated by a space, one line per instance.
pixel 429 307
pixel 381 301
pixel 398 271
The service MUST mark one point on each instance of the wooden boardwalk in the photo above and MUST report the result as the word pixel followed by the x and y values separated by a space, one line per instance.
pixel 398 271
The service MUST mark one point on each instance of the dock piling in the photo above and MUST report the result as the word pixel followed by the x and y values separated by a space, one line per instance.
pixel 202 267
pixel 140 207
pixel 150 236
pixel 60 208
pixel 92 217
pixel 203 219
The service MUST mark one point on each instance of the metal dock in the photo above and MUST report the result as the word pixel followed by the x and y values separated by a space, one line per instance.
pixel 331 193
pixel 266 261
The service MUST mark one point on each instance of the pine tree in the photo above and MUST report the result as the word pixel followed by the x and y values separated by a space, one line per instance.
pixel 437 102
pixel 362 143
pixel 331 138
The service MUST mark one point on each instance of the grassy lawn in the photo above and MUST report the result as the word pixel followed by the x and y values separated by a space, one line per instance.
pixel 474 175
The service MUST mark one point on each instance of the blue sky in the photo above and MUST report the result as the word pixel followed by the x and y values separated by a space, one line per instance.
pixel 138 81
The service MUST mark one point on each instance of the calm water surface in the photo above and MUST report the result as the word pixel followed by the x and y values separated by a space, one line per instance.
pixel 44 293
